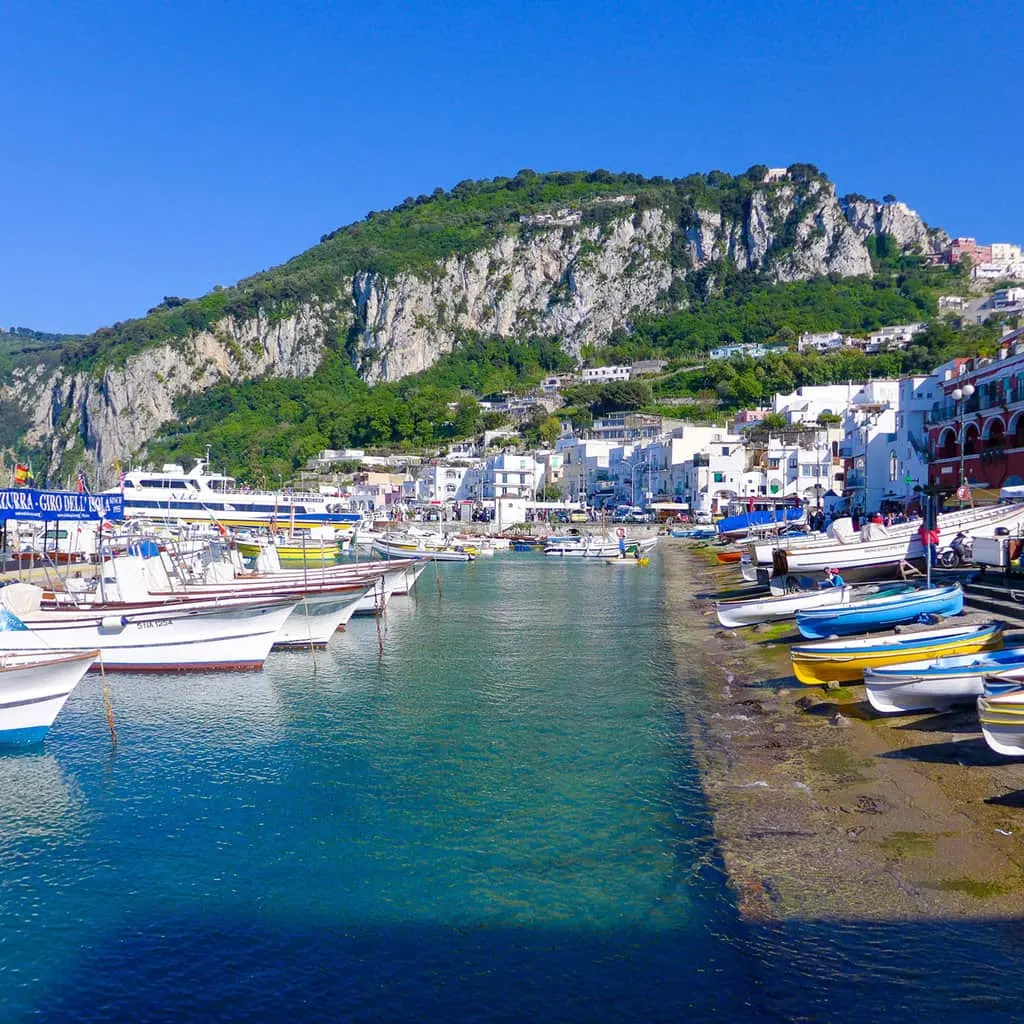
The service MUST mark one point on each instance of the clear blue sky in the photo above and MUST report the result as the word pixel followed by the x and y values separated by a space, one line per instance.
pixel 159 148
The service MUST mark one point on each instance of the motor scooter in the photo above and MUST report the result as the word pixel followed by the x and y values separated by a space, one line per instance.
pixel 960 552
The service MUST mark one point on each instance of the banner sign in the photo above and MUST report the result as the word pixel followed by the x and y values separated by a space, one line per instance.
pixel 22 503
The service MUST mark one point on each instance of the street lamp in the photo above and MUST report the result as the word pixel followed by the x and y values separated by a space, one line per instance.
pixel 961 395
pixel 632 489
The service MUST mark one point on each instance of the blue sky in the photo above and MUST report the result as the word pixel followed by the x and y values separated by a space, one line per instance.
pixel 158 148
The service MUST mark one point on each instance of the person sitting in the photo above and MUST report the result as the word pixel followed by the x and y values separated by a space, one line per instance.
pixel 832 579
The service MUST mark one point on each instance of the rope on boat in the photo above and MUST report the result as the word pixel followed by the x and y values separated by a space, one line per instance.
pixel 378 614
pixel 309 629
pixel 107 704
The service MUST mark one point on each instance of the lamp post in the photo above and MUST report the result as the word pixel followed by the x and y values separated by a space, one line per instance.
pixel 632 490
pixel 961 395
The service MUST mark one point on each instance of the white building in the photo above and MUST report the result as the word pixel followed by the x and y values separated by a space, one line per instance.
pixel 582 460
pixel 447 481
pixel 896 336
pixel 828 341
pixel 1008 298
pixel 869 433
pixel 806 404
pixel 512 476
pixel 603 374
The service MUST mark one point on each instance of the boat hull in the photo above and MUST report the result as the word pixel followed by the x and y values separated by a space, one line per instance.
pixel 733 614
pixel 316 618
pixel 233 635
pixel 34 686
pixel 1002 722
pixel 939 683
pixel 879 613
pixel 845 661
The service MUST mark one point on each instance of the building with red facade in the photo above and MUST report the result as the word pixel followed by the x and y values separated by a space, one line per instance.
pixel 978 434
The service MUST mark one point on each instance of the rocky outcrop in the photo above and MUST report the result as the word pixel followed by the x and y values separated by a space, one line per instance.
pixel 868 217
pixel 576 274
pixel 114 413
pixel 578 283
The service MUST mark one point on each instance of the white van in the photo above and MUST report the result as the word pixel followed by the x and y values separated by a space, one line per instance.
pixel 702 518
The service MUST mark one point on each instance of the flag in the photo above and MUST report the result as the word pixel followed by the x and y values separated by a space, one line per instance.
pixel 22 474
pixel 83 486
pixel 120 475
pixel 216 522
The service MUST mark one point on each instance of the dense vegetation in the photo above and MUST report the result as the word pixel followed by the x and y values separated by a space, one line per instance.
pixel 21 346
pixel 264 429
pixel 421 231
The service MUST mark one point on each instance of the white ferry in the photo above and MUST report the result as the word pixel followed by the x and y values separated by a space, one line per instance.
pixel 200 496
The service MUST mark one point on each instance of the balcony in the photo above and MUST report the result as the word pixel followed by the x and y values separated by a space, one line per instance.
pixel 701 461
pixel 996 395
pixel 846 450
pixel 854 479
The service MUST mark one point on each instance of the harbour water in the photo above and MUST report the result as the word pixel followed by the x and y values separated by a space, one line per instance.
pixel 492 814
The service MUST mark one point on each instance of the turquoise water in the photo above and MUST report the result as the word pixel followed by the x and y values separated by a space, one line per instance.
pixel 488 812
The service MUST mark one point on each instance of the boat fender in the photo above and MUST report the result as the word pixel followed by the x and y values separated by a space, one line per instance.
pixel 113 622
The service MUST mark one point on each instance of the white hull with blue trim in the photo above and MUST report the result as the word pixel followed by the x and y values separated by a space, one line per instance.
pixel 940 683
pixel 880 612
pixel 34 686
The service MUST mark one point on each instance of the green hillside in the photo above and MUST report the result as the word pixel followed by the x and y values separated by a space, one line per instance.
pixel 420 231
pixel 269 428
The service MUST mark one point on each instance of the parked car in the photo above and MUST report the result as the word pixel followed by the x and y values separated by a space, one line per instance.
pixel 702 518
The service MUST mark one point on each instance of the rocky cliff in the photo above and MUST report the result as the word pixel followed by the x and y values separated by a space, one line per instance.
pixel 575 272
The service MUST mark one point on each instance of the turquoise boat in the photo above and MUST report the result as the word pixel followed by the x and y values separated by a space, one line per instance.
pixel 880 612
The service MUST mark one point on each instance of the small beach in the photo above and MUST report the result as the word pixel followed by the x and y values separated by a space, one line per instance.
pixel 825 809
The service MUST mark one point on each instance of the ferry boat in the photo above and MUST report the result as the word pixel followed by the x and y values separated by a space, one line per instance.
pixel 201 496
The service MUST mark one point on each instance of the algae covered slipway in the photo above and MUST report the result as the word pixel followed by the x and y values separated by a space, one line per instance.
pixel 824 809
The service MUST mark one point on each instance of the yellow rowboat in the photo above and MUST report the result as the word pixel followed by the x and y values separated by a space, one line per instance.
pixel 312 554
pixel 844 661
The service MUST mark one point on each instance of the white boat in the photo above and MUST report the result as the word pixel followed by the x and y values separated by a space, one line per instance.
pixel 589 546
pixel 34 686
pixel 940 683
pixel 878 548
pixel 750 611
pixel 200 496
pixel 420 549
pixel 883 548
pixel 178 635
pixel 1002 721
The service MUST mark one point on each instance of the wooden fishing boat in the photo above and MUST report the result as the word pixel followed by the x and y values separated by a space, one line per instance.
pixel 940 682
pixel 844 661
pixel 751 611
pixel 1002 719
pixel 728 557
pixel 880 612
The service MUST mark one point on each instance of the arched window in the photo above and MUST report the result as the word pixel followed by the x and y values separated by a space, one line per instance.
pixel 894 467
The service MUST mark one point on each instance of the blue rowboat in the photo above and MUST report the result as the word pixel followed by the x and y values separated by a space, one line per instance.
pixel 880 612
pixel 941 682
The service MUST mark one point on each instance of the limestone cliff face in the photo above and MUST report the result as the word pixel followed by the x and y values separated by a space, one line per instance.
pixel 115 413
pixel 868 217
pixel 575 274
pixel 578 282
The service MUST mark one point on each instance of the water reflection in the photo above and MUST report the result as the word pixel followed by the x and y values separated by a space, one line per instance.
pixel 37 799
